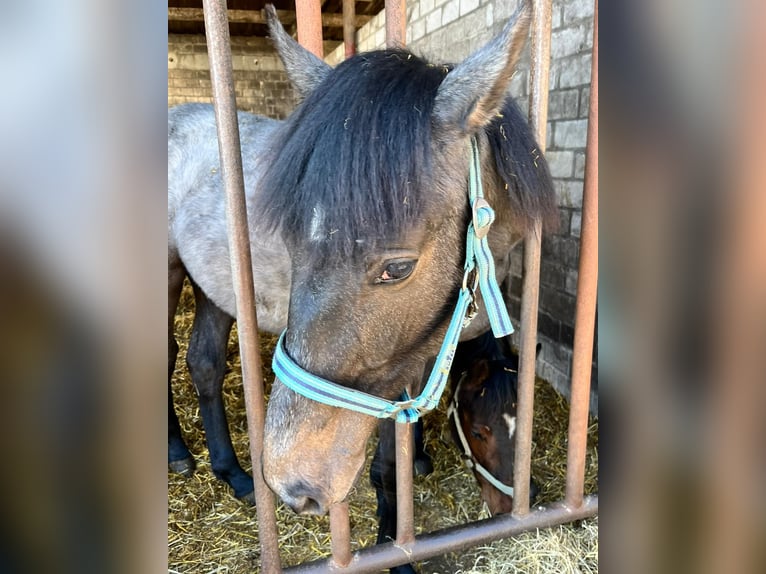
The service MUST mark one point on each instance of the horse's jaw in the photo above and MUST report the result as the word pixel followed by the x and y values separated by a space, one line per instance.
pixel 312 454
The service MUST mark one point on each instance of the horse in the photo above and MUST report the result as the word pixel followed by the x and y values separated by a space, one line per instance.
pixel 482 418
pixel 357 213
pixel 365 183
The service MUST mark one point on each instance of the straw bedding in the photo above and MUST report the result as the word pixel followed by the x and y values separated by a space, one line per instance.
pixel 210 531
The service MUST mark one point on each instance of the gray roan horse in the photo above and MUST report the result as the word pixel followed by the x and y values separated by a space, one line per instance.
pixel 358 215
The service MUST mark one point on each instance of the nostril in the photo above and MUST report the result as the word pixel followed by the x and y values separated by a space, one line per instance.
pixel 306 505
pixel 302 499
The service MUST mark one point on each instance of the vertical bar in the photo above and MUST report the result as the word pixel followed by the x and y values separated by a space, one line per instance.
pixel 308 14
pixel 217 30
pixel 396 23
pixel 538 117
pixel 340 531
pixel 405 513
pixel 349 27
pixel 587 290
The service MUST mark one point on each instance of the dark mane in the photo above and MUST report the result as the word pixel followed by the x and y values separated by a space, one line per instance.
pixel 522 167
pixel 498 391
pixel 358 149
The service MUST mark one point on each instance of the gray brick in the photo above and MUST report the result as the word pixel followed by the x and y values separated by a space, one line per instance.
pixel 450 11
pixel 556 17
pixel 553 75
pixel 558 304
pixel 579 165
pixel 418 30
pixel 550 134
pixel 433 20
pixel 569 193
pixel 504 9
pixel 578 9
pixel 562 104
pixel 575 71
pixel 568 41
pixel 576 223
pixel 564 216
pixel 426 6
pixel 584 102
pixel 571 282
pixel 467 6
pixel 560 163
pixel 570 134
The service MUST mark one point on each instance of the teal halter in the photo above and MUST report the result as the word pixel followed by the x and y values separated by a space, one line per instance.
pixel 479 271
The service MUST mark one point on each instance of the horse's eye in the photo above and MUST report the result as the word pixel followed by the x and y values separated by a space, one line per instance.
pixel 396 271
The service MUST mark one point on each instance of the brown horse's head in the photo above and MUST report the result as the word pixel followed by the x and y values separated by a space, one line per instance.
pixel 484 404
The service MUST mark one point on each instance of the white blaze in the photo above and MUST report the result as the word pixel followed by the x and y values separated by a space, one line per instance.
pixel 511 422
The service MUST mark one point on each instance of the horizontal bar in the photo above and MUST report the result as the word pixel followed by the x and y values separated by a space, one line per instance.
pixel 452 539
pixel 258 17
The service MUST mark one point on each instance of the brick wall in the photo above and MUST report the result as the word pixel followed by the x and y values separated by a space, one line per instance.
pixel 261 84
pixel 448 31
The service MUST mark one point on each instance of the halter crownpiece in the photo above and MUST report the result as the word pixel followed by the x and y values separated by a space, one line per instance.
pixel 479 270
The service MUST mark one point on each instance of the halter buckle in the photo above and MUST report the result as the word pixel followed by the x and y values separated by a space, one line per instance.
pixel 481 229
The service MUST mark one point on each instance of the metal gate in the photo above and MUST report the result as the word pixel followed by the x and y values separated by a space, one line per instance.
pixel 407 547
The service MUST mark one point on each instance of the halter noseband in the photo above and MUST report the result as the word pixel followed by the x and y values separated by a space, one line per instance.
pixel 479 271
pixel 470 459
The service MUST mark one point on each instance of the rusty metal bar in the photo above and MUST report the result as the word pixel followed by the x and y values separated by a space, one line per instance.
pixel 396 20
pixel 587 291
pixel 219 52
pixel 309 16
pixel 340 530
pixel 452 539
pixel 349 29
pixel 396 23
pixel 538 117
pixel 405 507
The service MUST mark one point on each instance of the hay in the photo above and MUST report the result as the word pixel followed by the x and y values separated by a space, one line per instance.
pixel 211 531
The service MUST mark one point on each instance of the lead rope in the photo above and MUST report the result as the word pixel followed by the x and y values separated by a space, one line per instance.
pixel 479 270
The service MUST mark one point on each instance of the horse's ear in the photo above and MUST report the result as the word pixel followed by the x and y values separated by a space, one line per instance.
pixel 477 375
pixel 304 69
pixel 472 93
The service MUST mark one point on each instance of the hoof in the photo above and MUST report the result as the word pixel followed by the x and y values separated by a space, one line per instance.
pixel 423 466
pixel 249 498
pixel 185 466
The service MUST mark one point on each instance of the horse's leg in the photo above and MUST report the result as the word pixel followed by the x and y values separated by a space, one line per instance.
pixel 383 478
pixel 206 359
pixel 422 464
pixel 179 458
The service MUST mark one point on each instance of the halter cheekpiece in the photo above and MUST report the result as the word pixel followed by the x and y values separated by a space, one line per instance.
pixel 479 270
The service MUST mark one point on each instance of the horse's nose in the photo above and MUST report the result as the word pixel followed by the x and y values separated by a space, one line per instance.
pixel 304 499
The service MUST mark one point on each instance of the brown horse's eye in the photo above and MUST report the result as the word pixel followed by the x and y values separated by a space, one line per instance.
pixel 396 271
